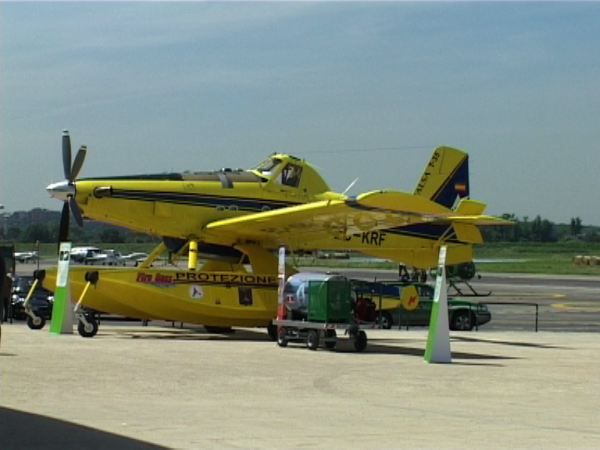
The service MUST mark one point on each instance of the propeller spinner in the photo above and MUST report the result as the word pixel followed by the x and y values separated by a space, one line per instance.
pixel 65 190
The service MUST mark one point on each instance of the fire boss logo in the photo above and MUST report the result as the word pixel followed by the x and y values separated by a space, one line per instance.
pixel 158 278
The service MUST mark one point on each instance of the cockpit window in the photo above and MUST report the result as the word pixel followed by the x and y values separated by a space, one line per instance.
pixel 290 175
pixel 268 166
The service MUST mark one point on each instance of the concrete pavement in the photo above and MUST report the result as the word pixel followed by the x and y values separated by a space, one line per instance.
pixel 142 387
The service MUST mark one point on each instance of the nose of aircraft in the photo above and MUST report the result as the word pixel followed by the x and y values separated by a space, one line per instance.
pixel 61 190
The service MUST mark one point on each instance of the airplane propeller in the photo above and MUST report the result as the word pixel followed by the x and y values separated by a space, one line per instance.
pixel 65 190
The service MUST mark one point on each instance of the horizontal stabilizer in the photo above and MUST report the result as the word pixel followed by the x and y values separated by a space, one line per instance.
pixel 470 208
pixel 479 220
pixel 467 233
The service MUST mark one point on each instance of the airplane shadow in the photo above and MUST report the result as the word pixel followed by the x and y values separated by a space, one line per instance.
pixel 186 335
pixel 22 430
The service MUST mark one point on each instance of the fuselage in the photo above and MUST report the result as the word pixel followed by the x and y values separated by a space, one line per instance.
pixel 180 205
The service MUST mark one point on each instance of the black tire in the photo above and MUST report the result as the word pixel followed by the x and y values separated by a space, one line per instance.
pixel 272 330
pixel 360 341
pixel 282 337
pixel 36 325
pixel 218 330
pixel 462 321
pixel 330 334
pixel 312 339
pixel 466 271
pixel 387 322
pixel 90 330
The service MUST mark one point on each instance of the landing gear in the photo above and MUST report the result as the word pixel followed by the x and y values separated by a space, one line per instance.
pixel 36 322
pixel 88 323
pixel 89 328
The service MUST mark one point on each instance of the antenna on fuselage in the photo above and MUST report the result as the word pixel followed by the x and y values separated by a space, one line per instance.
pixel 349 186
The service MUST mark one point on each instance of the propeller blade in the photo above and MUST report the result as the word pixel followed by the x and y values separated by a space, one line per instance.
pixel 63 230
pixel 78 163
pixel 66 154
pixel 76 211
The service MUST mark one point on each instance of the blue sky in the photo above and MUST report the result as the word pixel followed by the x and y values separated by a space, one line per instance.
pixel 362 90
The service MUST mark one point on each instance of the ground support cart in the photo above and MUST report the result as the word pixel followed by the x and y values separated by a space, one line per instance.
pixel 316 333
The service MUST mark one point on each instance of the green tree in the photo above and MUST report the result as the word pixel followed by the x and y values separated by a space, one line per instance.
pixel 38 232
pixel 13 234
pixel 576 226
pixel 111 236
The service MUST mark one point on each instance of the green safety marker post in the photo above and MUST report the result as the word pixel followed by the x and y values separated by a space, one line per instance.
pixel 62 311
pixel 438 339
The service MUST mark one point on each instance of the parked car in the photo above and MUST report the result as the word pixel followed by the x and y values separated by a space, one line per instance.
pixel 42 299
pixel 463 315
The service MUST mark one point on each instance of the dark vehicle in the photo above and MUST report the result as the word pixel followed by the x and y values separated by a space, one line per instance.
pixel 463 315
pixel 42 299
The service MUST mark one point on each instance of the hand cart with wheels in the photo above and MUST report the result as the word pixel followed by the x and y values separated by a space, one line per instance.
pixel 316 333
pixel 314 308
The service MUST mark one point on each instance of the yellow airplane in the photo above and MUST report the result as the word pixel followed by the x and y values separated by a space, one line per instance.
pixel 234 218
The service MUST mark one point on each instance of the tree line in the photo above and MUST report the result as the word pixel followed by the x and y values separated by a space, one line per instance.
pixel 91 233
pixel 539 230
pixel 524 230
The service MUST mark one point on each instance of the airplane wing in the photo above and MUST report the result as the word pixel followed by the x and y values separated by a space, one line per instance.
pixel 337 219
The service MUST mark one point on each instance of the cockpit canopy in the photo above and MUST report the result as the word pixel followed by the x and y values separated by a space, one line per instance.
pixel 287 170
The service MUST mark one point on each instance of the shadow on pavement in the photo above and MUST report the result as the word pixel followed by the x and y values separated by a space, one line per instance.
pixel 398 350
pixel 509 343
pixel 21 430
pixel 185 335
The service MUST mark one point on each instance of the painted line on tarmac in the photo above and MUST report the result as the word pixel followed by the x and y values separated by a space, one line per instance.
pixel 528 295
pixel 570 306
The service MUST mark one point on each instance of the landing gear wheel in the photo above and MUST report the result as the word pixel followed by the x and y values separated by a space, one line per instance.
pixel 360 341
pixel 312 339
pixel 88 330
pixel 330 334
pixel 272 330
pixel 282 337
pixel 37 323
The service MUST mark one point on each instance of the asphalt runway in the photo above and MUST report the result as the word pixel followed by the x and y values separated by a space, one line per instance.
pixel 563 302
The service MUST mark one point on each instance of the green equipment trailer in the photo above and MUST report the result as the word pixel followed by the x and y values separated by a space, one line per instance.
pixel 317 307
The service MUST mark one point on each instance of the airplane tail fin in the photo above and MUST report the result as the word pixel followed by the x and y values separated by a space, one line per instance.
pixel 445 177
